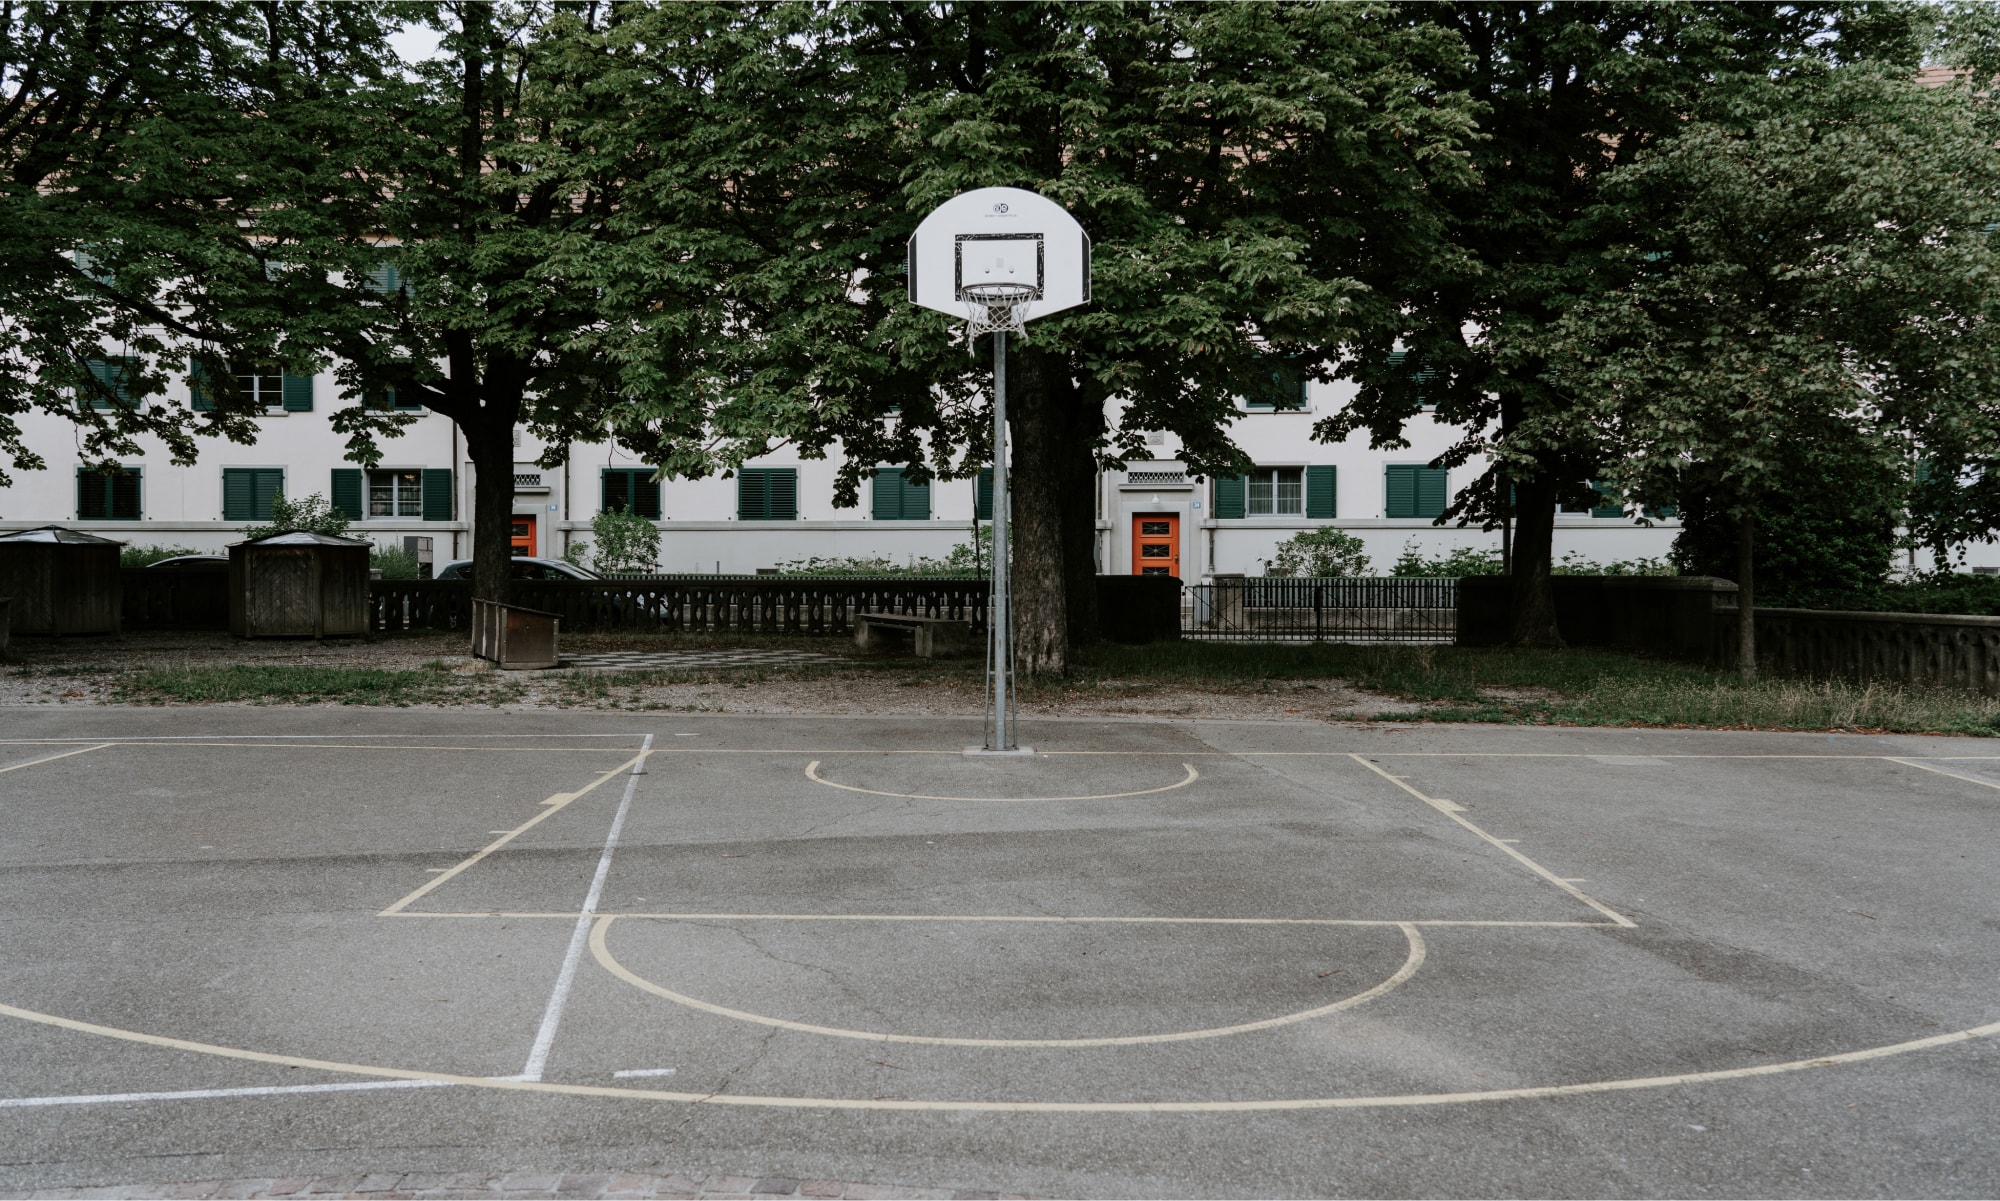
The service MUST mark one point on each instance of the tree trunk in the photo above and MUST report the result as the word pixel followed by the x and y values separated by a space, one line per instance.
pixel 1036 484
pixel 1746 600
pixel 1533 549
pixel 492 455
pixel 1083 418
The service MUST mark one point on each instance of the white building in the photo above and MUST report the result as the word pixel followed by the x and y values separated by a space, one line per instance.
pixel 780 508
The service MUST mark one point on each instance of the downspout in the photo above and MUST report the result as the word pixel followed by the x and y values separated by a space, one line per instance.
pixel 457 487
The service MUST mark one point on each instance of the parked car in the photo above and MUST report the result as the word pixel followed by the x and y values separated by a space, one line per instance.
pixel 193 561
pixel 524 568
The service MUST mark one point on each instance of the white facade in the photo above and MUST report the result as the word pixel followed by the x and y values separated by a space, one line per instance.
pixel 703 531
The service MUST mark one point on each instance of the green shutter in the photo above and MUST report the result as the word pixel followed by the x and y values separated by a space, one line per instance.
pixel 298 393
pixel 438 493
pixel 400 405
pixel 1604 507
pixel 89 494
pixel 752 495
pixel 1430 491
pixel 784 494
pixel 982 496
pixel 1229 491
pixel 123 494
pixel 1322 494
pixel 896 498
pixel 346 492
pixel 198 388
pixel 238 502
pixel 109 373
pixel 645 495
pixel 1400 491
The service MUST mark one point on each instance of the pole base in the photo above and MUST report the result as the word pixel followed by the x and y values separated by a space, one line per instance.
pixel 1019 752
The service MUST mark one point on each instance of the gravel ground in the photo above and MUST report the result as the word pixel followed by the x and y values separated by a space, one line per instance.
pixel 99 670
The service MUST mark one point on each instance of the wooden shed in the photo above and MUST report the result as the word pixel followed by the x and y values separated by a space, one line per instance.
pixel 298 585
pixel 62 581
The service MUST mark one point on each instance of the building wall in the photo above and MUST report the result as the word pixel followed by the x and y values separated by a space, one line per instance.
pixel 702 532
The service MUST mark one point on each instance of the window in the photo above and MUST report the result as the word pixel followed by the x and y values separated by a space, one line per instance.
pixel 1276 492
pixel 387 398
pixel 630 490
pixel 247 492
pixel 1283 390
pixel 395 494
pixel 1413 490
pixel 113 379
pixel 767 494
pixel 898 499
pixel 258 386
pixel 1603 507
pixel 1421 378
pixel 107 495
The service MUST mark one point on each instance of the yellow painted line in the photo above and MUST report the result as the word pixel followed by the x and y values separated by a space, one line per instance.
pixel 550 808
pixel 599 946
pixel 52 758
pixel 1456 813
pixel 812 773
pixel 1393 1100
pixel 1942 772
pixel 1028 918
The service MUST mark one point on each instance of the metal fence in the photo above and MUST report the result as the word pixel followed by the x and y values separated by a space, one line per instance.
pixel 1344 609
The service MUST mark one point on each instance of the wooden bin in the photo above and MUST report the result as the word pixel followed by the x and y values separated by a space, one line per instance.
pixel 512 637
pixel 61 581
pixel 298 585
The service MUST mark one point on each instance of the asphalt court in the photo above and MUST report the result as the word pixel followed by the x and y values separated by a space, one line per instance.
pixel 837 917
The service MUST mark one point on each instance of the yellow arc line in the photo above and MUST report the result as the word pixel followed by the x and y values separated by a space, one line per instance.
pixel 599 934
pixel 1451 811
pixel 768 1102
pixel 550 808
pixel 52 758
pixel 812 773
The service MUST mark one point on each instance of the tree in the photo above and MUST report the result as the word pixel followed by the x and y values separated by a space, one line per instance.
pixel 1568 94
pixel 142 145
pixel 1808 291
pixel 1207 149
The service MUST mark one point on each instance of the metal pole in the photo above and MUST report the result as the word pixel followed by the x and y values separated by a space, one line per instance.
pixel 1000 610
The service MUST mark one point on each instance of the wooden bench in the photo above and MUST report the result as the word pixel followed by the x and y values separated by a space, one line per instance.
pixel 935 637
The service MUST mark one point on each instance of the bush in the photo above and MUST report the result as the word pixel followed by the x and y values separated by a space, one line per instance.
pixel 1464 561
pixel 967 559
pixel 625 542
pixel 1575 564
pixel 1320 553
pixel 395 563
pixel 312 514
pixel 145 556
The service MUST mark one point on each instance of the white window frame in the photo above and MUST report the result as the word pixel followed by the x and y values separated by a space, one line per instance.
pixel 1271 471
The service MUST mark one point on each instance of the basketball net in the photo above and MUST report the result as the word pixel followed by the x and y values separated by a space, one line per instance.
pixel 995 309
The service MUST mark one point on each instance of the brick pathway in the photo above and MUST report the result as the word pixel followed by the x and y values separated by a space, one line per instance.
pixel 386 1185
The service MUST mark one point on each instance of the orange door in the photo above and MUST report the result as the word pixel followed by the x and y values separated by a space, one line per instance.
pixel 524 535
pixel 1156 544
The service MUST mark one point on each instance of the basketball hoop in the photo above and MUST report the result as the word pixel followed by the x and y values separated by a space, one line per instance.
pixel 996 308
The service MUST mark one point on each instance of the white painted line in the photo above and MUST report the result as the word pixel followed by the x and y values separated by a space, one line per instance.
pixel 629 1073
pixel 1941 771
pixel 52 758
pixel 1630 760
pixel 209 1094
pixel 538 1055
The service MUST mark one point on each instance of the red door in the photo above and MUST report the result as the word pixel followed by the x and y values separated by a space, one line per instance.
pixel 1156 544
pixel 523 536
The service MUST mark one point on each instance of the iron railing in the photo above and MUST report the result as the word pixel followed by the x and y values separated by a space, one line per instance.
pixel 1342 609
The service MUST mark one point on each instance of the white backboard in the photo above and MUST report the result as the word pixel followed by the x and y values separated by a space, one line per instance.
pixel 999 235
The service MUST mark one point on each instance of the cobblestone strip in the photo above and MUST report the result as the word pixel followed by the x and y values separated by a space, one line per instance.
pixel 386 1186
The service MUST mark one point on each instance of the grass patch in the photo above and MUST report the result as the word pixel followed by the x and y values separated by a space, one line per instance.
pixel 1581 687
pixel 306 685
